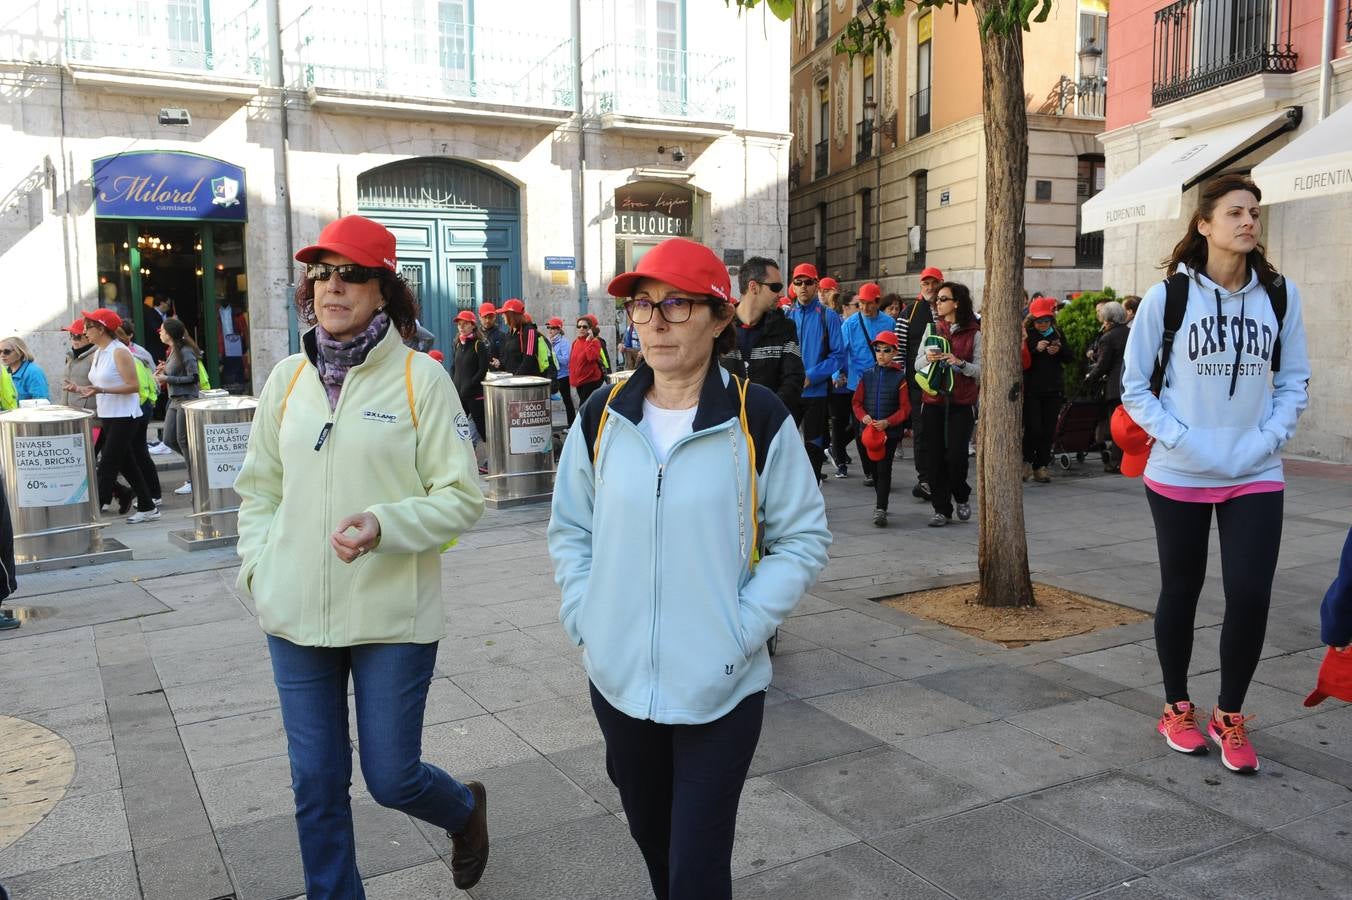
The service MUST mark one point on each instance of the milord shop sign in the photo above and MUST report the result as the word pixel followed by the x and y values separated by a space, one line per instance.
pixel 651 208
pixel 157 185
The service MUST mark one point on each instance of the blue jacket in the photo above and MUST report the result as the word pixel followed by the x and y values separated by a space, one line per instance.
pixel 29 382
pixel 653 560
pixel 821 358
pixel 1335 615
pixel 563 351
pixel 1206 436
pixel 858 334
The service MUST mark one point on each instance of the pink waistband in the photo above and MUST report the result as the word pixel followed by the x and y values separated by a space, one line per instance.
pixel 1213 494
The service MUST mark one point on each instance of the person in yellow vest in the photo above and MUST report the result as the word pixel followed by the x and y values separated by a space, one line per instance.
pixel 9 397
pixel 359 473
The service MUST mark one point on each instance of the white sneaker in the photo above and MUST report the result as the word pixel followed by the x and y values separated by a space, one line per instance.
pixel 139 516
pixel 159 449
pixel 184 488
pixel 157 501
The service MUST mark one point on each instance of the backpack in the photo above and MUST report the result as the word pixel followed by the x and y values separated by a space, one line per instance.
pixel 203 382
pixel 1176 305
pixel 146 389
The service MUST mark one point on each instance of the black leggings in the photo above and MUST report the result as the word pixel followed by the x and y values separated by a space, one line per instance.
pixel 1039 427
pixel 879 470
pixel 566 394
pixel 947 431
pixel 1250 535
pixel 116 440
pixel 842 425
pixel 586 390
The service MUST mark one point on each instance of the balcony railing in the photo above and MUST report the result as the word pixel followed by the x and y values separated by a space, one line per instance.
pixel 863 140
pixel 650 82
pixel 366 49
pixel 1089 250
pixel 1091 98
pixel 1203 44
pixel 225 38
pixel 920 113
pixel 823 151
pixel 823 21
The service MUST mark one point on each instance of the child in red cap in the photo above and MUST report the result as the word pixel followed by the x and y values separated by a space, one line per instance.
pixel 882 405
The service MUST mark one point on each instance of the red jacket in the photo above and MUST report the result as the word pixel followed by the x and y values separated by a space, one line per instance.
pixel 584 365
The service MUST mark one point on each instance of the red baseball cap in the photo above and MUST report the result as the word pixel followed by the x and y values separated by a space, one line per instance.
pixel 513 306
pixel 76 327
pixel 784 303
pixel 590 320
pixel 874 440
pixel 870 291
pixel 805 269
pixel 466 316
pixel 1335 678
pixel 1042 308
pixel 554 322
pixel 487 309
pixel 104 317
pixel 685 264
pixel 886 337
pixel 1132 440
pixel 361 240
pixel 828 283
pixel 932 272
pixel 437 355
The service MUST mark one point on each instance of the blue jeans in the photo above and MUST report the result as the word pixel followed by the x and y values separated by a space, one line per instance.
pixel 390 682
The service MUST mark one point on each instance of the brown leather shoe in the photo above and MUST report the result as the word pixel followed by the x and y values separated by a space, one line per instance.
pixel 469 848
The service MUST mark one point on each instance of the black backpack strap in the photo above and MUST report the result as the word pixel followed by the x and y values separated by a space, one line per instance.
pixel 1277 295
pixel 1175 305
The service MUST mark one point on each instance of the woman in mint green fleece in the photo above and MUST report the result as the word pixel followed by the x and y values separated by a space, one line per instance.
pixel 1235 383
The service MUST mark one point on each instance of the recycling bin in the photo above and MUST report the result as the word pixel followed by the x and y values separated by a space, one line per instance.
pixel 218 427
pixel 517 416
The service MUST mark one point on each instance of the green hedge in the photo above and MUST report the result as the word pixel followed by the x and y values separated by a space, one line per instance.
pixel 1080 326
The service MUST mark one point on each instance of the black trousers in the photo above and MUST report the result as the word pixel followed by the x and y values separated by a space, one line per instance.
pixel 880 470
pixel 816 411
pixel 140 453
pixel 1250 535
pixel 566 392
pixel 680 786
pixel 947 431
pixel 475 407
pixel 117 440
pixel 1039 427
pixel 586 390
pixel 842 425
pixel 917 425
pixel 1103 433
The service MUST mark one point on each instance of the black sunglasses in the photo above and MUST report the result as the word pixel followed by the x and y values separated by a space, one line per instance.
pixel 351 273
pixel 774 286
pixel 804 282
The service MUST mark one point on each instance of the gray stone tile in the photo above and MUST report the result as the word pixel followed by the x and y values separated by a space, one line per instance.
pixel 387 840
pixel 144 756
pixel 231 696
pixel 1001 760
pixel 249 792
pixel 913 655
pixel 470 654
pixel 52 691
pixel 464 621
pixel 895 712
pixel 1133 820
pixel 855 872
pixel 531 611
pixel 841 628
pixel 138 712
pixel 586 767
pixel 191 867
pixel 472 745
pixel 111 877
pixel 1130 665
pixel 794 734
pixel 554 725
pixel 1142 889
pixel 225 742
pixel 49 653
pixel 88 606
pixel 205 638
pixel 1327 730
pixel 95 770
pixel 510 686
pixel 555 639
pixel 877 791
pixel 790 643
pixel 79 723
pixel 429 881
pixel 587 859
pixel 166 810
pixel 193 666
pixel 775 827
pixel 811 604
pixel 1260 867
pixel 1001 690
pixel 1272 796
pixel 128 678
pixel 1293 672
pixel 79 829
pixel 815 672
pixel 264 858
pixel 1327 834
pixel 1079 679
pixel 1021 859
pixel 1097 728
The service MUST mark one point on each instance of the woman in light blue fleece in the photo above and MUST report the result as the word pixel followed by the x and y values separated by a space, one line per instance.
pixel 1235 382
pixel 686 525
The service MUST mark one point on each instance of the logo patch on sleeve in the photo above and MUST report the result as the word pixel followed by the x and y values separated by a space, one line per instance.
pixel 462 426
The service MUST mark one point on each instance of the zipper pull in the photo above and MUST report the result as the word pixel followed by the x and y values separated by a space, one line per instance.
pixel 323 436
pixel 659 479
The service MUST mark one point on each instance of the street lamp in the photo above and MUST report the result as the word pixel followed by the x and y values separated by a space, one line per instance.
pixel 1090 54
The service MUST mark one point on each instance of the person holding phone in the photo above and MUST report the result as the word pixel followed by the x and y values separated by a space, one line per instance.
pixel 1043 393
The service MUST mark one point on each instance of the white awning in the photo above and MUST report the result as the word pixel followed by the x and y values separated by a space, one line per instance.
pixel 1318 163
pixel 1153 191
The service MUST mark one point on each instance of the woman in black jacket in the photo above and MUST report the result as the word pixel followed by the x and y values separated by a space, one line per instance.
pixel 1048 352
pixel 469 365
pixel 1112 344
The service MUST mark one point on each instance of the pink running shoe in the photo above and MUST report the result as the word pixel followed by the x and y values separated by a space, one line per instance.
pixel 1236 751
pixel 1179 727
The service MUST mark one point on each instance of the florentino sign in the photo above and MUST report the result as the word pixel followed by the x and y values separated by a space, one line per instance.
pixel 168 185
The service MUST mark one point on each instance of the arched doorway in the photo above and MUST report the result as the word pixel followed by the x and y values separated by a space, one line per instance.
pixel 459 234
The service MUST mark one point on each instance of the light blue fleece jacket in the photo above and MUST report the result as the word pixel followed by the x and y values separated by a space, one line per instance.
pixel 1206 436
pixel 858 333
pixel 652 558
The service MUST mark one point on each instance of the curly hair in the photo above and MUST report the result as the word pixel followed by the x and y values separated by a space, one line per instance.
pixel 400 304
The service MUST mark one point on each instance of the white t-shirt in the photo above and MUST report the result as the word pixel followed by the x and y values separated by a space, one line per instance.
pixel 664 427
pixel 103 374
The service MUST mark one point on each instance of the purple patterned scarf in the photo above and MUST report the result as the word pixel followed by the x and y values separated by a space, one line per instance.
pixel 337 357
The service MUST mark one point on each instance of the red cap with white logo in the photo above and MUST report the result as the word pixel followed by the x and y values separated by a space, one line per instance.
pixel 681 263
pixel 361 240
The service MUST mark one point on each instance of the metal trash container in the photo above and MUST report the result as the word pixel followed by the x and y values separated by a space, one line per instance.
pixel 520 440
pixel 218 437
pixel 47 457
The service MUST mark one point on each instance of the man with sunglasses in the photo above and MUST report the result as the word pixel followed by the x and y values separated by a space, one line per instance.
pixel 823 350
pixel 495 329
pixel 767 342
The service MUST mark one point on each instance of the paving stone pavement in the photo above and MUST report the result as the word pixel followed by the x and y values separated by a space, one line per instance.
pixel 899 758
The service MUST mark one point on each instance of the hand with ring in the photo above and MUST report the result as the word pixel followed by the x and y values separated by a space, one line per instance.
pixel 364 537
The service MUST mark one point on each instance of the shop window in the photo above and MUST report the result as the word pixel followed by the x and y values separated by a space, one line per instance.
pixel 1088 182
pixel 819 238
pixel 919 221
pixel 863 251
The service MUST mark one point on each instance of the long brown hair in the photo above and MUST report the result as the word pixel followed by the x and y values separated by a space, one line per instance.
pixel 1192 250
pixel 179 338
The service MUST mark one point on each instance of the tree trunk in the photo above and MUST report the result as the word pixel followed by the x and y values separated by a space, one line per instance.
pixel 1002 556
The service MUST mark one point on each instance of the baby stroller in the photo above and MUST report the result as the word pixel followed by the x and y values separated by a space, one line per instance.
pixel 1075 426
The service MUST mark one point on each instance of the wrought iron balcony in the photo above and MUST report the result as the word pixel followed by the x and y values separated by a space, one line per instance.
pixel 370 49
pixel 823 151
pixel 1203 44
pixel 863 140
pixel 1089 250
pixel 651 82
pixel 920 113
pixel 225 38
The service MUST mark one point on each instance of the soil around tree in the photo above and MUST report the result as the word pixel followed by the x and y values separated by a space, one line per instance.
pixel 1059 613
